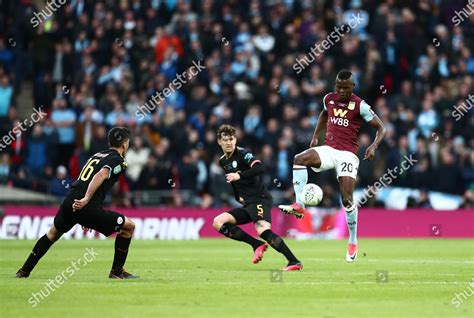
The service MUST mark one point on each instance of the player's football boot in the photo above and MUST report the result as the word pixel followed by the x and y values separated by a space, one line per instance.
pixel 294 209
pixel 258 253
pixel 22 274
pixel 351 254
pixel 293 266
pixel 121 274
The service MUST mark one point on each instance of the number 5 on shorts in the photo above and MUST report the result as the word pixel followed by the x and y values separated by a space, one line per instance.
pixel 260 210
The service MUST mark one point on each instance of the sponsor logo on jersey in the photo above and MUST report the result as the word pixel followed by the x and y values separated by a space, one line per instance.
pixel 339 112
pixel 339 121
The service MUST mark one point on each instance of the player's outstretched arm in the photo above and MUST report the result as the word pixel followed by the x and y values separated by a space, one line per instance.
pixel 381 132
pixel 322 121
pixel 95 183
pixel 257 168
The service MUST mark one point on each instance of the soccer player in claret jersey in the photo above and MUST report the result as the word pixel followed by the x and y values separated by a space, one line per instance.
pixel 83 205
pixel 346 113
pixel 243 172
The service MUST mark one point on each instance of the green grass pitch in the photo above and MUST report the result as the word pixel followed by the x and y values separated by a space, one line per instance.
pixel 215 278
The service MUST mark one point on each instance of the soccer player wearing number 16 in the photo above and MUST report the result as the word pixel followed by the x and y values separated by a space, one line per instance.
pixel 83 205
pixel 343 114
pixel 243 173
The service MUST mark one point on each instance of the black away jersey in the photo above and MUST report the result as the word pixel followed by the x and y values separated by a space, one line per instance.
pixel 248 189
pixel 109 159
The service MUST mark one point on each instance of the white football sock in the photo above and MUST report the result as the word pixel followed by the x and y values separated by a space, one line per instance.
pixel 300 178
pixel 351 219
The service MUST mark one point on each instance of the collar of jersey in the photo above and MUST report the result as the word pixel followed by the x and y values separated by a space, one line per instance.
pixel 230 154
pixel 116 152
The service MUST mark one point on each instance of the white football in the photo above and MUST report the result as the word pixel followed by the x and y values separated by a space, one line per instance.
pixel 311 194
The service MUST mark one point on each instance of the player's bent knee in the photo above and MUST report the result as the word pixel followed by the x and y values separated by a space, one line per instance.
pixel 221 219
pixel 261 230
pixel 218 221
pixel 54 234
pixel 262 226
pixel 307 158
pixel 299 159
pixel 131 226
pixel 128 228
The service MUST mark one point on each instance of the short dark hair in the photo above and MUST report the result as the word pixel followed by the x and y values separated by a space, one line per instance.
pixel 225 130
pixel 344 75
pixel 117 136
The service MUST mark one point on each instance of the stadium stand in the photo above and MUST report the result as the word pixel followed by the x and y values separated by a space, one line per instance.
pixel 94 65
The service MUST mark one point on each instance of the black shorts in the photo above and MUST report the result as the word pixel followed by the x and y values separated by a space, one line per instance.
pixel 253 212
pixel 103 221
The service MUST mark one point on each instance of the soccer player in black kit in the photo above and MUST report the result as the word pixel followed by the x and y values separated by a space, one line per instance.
pixel 83 205
pixel 242 172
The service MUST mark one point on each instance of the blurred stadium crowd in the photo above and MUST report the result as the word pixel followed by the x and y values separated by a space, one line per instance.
pixel 94 63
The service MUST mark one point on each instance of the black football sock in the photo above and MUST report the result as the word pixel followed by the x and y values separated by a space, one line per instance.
pixel 278 244
pixel 41 247
pixel 121 252
pixel 236 233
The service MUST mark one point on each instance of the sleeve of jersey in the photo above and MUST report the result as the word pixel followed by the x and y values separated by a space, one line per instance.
pixel 366 111
pixel 115 166
pixel 257 169
pixel 249 159
pixel 324 101
pixel 254 164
